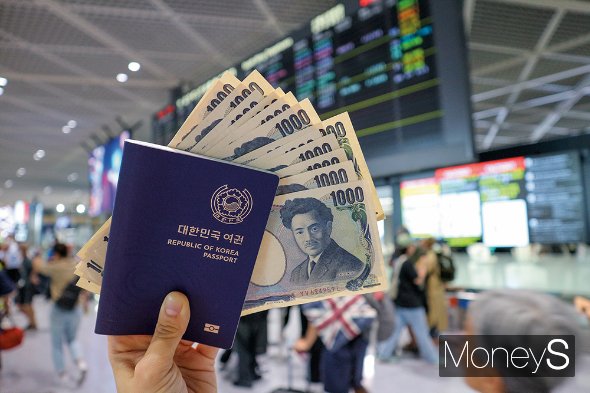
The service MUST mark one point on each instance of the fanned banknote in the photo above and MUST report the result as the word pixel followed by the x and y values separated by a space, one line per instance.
pixel 216 93
pixel 293 119
pixel 244 111
pixel 317 178
pixel 321 238
pixel 273 109
pixel 318 244
pixel 333 158
pixel 284 145
pixel 253 82
pixel 279 160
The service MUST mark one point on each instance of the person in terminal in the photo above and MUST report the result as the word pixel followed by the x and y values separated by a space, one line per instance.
pixel 251 340
pixel 7 287
pixel 13 259
pixel 408 297
pixel 436 301
pixel 506 318
pixel 66 312
pixel 26 290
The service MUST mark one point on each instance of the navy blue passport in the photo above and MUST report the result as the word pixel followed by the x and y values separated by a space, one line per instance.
pixel 184 223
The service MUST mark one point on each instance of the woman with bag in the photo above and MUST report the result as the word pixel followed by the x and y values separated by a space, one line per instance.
pixel 66 313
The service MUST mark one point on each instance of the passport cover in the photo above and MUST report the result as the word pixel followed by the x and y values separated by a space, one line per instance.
pixel 187 223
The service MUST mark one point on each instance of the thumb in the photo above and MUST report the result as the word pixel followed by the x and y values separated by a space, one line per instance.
pixel 172 323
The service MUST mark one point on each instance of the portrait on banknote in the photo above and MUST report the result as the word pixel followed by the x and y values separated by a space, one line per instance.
pixel 310 221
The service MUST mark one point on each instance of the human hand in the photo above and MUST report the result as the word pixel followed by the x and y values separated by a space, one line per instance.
pixel 163 363
pixel 301 345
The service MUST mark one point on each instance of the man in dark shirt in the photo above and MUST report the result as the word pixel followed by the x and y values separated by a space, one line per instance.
pixel 409 302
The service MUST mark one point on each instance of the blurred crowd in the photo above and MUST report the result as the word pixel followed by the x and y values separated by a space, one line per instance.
pixel 26 273
pixel 335 334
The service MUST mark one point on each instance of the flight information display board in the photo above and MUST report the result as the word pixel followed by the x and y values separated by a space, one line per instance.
pixel 555 198
pixel 460 209
pixel 383 62
pixel 377 64
pixel 505 203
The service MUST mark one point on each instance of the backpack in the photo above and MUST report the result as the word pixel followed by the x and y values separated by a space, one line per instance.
pixel 447 267
pixel 69 296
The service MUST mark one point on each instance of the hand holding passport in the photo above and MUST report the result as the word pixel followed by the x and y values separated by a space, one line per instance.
pixel 163 362
pixel 214 229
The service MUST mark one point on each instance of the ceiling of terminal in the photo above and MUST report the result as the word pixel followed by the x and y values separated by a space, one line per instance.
pixel 530 72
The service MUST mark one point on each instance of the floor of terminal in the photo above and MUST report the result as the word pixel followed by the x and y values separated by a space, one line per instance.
pixel 29 369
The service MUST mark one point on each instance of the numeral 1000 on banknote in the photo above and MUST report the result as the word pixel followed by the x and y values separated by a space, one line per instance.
pixel 296 121
pixel 336 129
pixel 315 152
pixel 324 163
pixel 227 89
pixel 348 196
pixel 331 178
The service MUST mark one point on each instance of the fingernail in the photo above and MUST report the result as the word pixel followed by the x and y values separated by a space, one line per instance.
pixel 173 306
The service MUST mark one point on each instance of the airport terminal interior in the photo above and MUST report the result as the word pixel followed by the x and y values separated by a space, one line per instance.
pixel 348 193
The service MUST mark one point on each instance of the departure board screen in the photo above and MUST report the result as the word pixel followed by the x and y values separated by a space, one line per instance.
pixel 377 64
pixel 504 203
pixel 384 64
pixel 555 198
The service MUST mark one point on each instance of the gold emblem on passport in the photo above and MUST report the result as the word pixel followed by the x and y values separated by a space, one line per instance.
pixel 230 205
pixel 210 328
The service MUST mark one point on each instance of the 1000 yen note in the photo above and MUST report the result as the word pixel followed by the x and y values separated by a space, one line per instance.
pixel 93 253
pixel 220 127
pixel 237 120
pixel 88 285
pixel 284 145
pixel 215 94
pixel 279 160
pixel 253 82
pixel 294 119
pixel 323 177
pixel 318 244
pixel 333 158
pixel 341 126
pixel 242 104
pixel 226 146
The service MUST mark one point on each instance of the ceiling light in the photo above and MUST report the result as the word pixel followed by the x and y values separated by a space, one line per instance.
pixel 60 208
pixel 39 154
pixel 8 183
pixel 47 190
pixel 72 123
pixel 66 129
pixel 122 78
pixel 20 172
pixel 72 177
pixel 134 66
pixel 3 81
pixel 80 208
